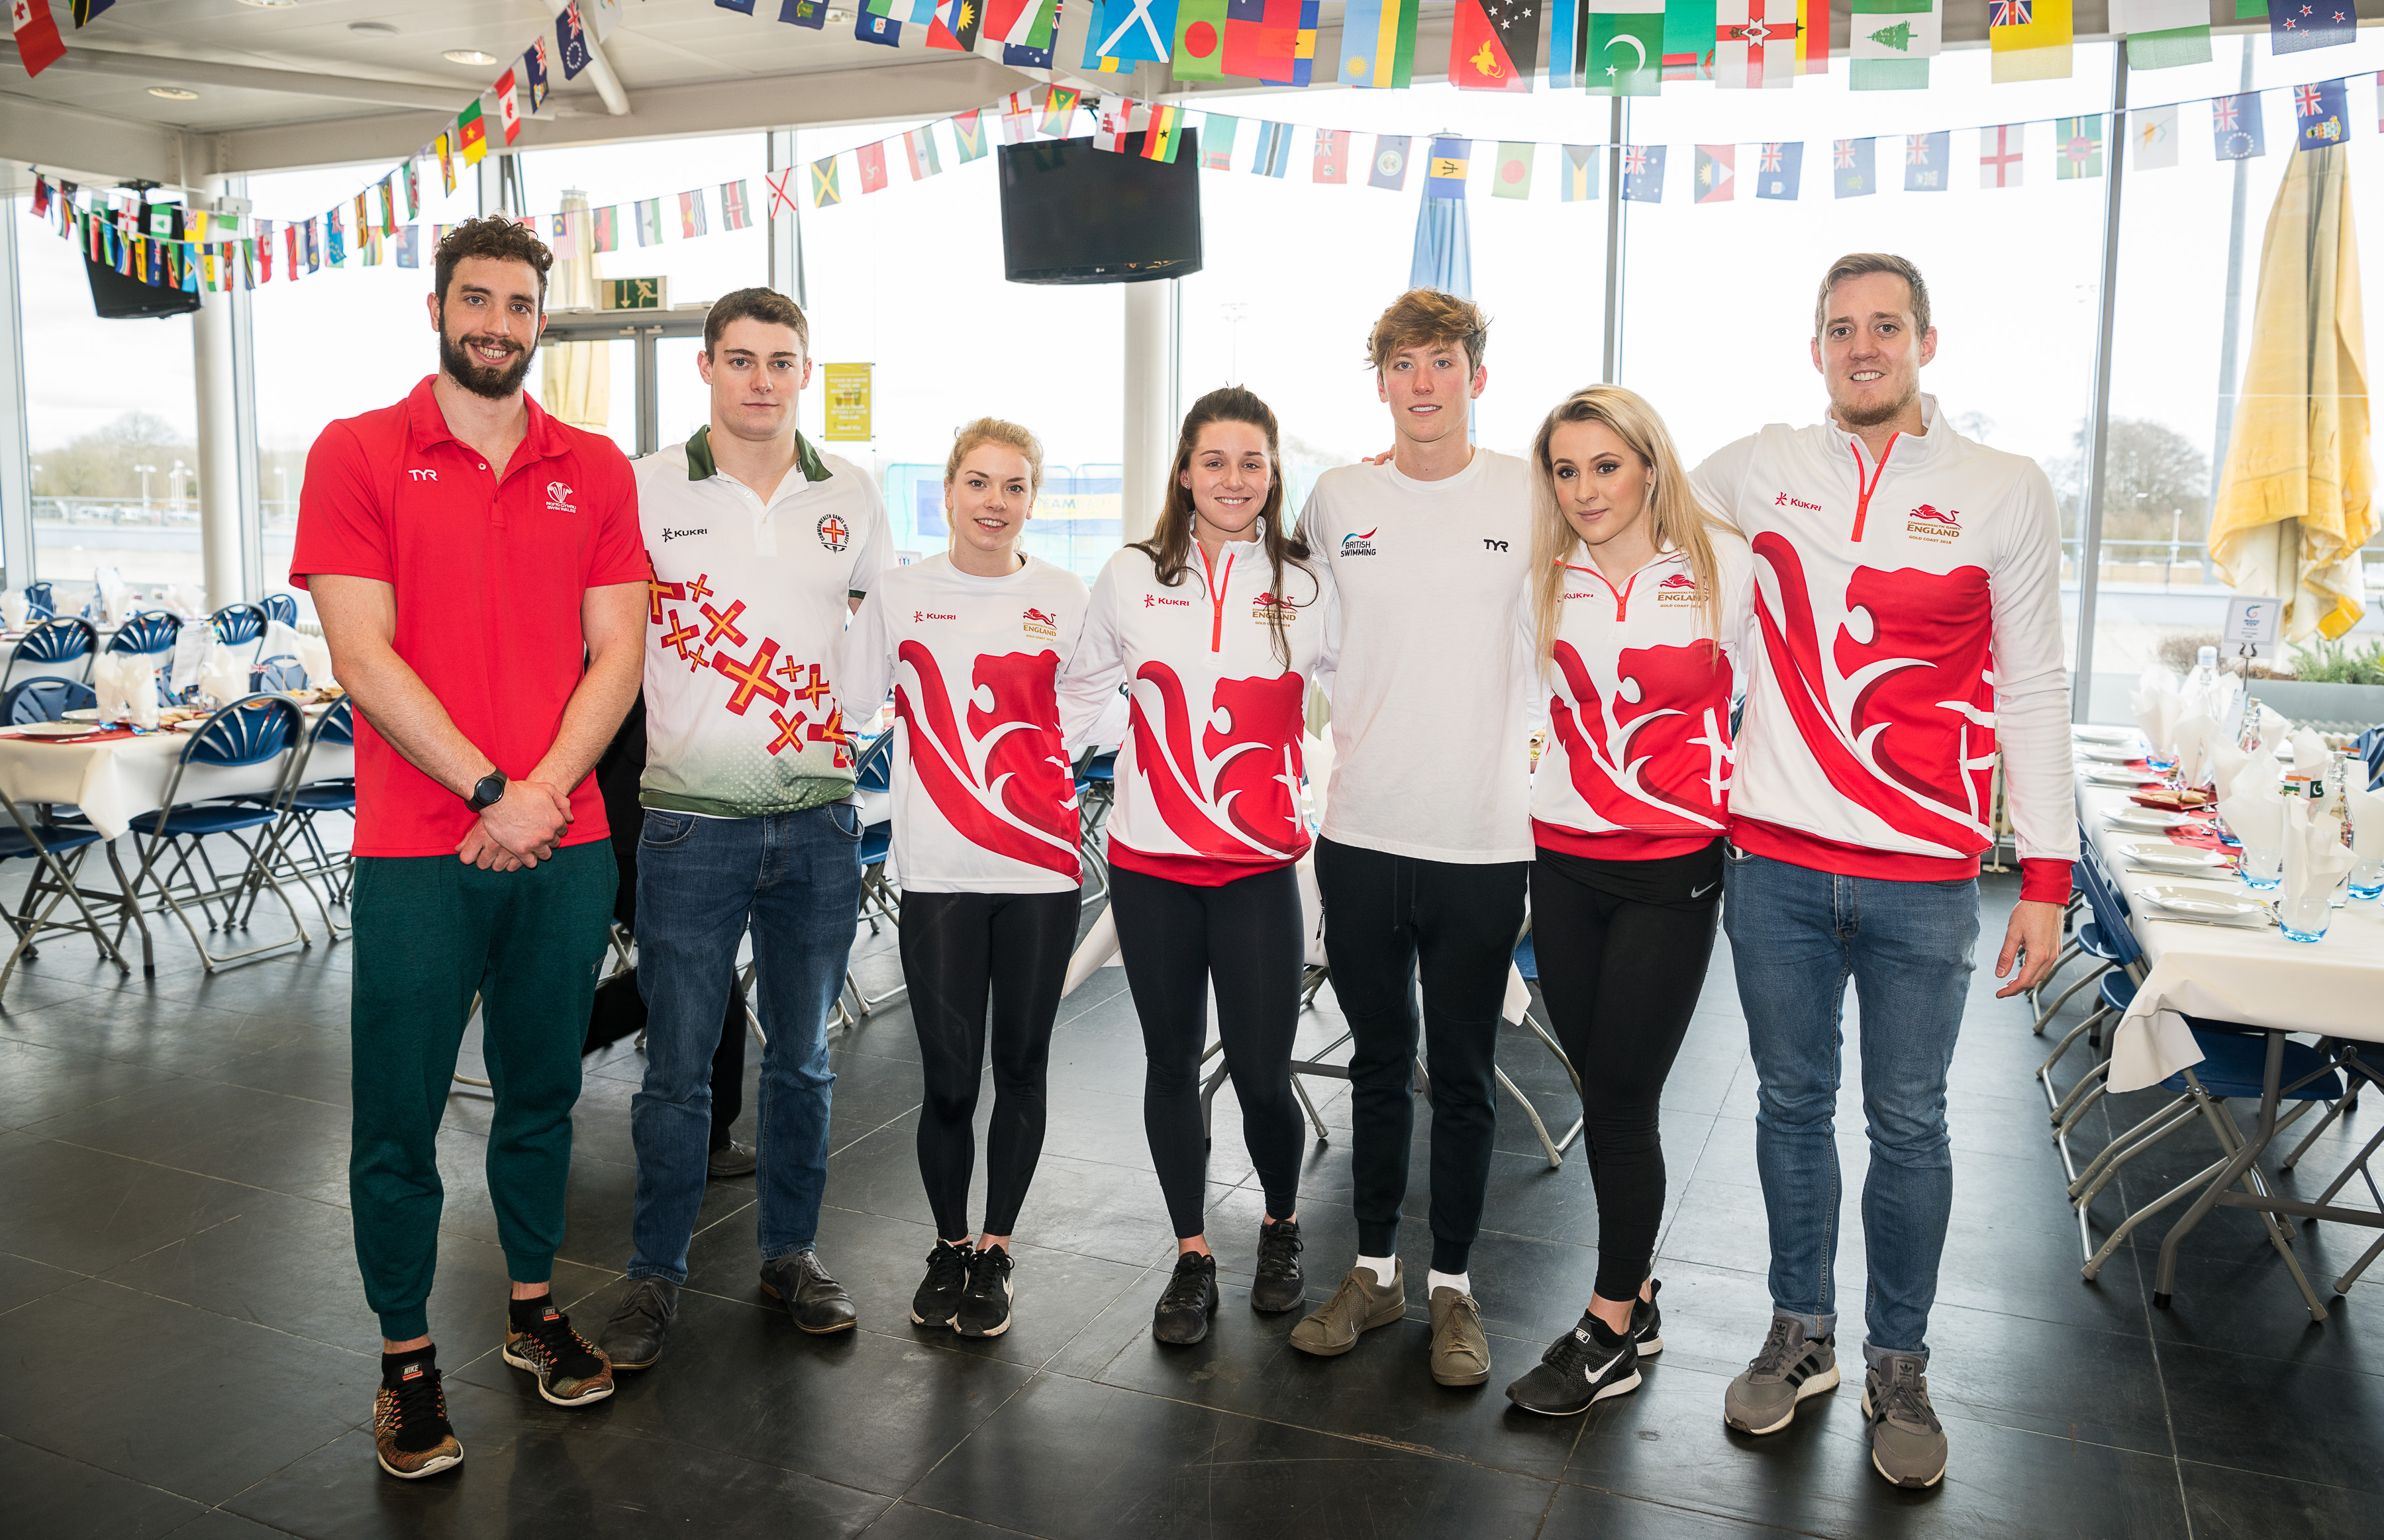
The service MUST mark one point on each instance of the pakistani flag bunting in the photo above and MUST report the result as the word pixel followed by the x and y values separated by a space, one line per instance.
pixel 1625 54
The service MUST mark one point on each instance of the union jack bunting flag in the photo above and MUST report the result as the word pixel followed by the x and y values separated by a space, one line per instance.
pixel 2011 13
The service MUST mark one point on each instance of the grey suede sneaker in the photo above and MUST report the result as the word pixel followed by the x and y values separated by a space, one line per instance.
pixel 1358 1306
pixel 1790 1368
pixel 1908 1444
pixel 1461 1354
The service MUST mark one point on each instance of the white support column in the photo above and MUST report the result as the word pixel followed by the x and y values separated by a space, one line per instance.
pixel 786 227
pixel 16 458
pixel 223 348
pixel 1148 397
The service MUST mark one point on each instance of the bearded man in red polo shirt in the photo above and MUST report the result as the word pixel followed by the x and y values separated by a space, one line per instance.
pixel 480 579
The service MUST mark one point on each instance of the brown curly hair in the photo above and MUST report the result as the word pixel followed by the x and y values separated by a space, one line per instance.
pixel 492 235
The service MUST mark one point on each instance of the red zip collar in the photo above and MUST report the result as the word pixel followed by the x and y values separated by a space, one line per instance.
pixel 1863 489
pixel 1216 596
pixel 1622 595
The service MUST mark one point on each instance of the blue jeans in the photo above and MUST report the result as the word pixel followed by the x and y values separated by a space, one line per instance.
pixel 796 878
pixel 1797 936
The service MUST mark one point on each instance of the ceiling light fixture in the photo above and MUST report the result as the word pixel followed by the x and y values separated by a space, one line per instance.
pixel 469 56
pixel 376 28
pixel 270 5
pixel 173 93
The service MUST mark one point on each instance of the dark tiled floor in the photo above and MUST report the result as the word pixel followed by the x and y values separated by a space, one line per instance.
pixel 189 1353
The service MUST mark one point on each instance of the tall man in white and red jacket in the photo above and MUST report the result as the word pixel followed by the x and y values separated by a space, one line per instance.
pixel 1908 607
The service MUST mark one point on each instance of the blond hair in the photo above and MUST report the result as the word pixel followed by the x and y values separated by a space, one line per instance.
pixel 1677 521
pixel 977 435
pixel 1428 319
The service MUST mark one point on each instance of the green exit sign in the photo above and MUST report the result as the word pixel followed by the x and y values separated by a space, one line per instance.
pixel 634 294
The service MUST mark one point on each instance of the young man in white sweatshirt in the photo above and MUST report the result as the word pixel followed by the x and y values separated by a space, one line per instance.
pixel 1908 611
pixel 1427 836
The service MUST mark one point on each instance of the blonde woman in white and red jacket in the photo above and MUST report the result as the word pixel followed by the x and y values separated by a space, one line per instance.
pixel 1218 624
pixel 972 643
pixel 1638 610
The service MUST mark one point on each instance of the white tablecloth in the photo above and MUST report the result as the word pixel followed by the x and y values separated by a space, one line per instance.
pixel 115 780
pixel 2256 977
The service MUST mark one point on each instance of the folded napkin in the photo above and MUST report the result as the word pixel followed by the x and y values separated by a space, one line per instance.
pixel 2273 726
pixel 2157 709
pixel 2254 807
pixel 115 595
pixel 2366 809
pixel 224 674
pixel 2198 737
pixel 311 653
pixel 14 608
pixel 112 683
pixel 2316 862
pixel 2219 697
pixel 185 601
pixel 2226 761
pixel 2311 756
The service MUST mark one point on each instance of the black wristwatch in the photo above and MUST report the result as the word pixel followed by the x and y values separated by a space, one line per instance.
pixel 487 792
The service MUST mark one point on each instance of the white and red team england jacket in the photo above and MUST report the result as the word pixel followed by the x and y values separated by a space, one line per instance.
pixel 984 797
pixel 1637 764
pixel 1207 778
pixel 1909 614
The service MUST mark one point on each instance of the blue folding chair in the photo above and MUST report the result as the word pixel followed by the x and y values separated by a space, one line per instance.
pixel 297 851
pixel 282 607
pixel 253 731
pixel 39 603
pixel 44 699
pixel 1095 794
pixel 59 640
pixel 280 675
pixel 57 851
pixel 239 623
pixel 874 771
pixel 147 634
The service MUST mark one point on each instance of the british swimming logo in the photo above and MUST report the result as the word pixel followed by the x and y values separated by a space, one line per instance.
pixel 1356 544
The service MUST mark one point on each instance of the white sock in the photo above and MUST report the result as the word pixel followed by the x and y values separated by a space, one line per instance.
pixel 1383 1268
pixel 1461 1282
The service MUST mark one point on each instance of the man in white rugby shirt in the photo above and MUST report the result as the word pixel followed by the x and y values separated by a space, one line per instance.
pixel 1427 838
pixel 759 545
pixel 1908 611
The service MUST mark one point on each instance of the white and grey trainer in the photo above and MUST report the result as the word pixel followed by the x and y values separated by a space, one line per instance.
pixel 1907 1443
pixel 1790 1367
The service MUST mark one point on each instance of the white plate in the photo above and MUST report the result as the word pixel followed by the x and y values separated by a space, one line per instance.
pixel 2146 820
pixel 2104 735
pixel 2179 856
pixel 2200 904
pixel 81 713
pixel 2107 755
pixel 53 729
pixel 2114 776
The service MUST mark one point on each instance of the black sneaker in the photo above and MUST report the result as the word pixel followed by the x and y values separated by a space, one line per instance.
pixel 1580 1369
pixel 412 1437
pixel 570 1373
pixel 940 1292
pixel 1647 1321
pixel 1279 1284
pixel 985 1308
pixel 1181 1318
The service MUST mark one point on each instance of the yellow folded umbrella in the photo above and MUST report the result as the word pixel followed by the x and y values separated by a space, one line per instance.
pixel 2295 503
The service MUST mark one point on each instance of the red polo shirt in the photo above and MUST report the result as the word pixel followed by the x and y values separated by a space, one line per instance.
pixel 489 572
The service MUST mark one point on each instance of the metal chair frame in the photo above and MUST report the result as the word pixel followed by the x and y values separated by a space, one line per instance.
pixel 183 884
pixel 147 634
pixel 336 871
pixel 54 879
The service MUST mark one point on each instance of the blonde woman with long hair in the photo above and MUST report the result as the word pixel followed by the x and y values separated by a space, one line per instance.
pixel 1638 601
pixel 972 642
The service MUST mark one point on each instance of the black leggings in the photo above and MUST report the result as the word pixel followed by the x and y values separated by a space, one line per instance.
pixel 958 951
pixel 1622 948
pixel 1246 935
pixel 1389 919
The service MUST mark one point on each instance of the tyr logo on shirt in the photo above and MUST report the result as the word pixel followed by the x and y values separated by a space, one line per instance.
pixel 1034 623
pixel 1356 544
pixel 1943 526
pixel 1679 588
pixel 558 497
pixel 833 532
pixel 424 475
pixel 1494 545
pixel 1784 501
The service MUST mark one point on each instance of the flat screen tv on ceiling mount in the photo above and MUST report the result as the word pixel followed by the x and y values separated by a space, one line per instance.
pixel 1073 214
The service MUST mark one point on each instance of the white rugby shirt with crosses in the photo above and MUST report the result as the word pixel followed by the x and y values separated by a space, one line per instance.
pixel 745 618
